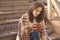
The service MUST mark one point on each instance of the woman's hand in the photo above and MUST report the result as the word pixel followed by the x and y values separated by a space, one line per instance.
pixel 37 27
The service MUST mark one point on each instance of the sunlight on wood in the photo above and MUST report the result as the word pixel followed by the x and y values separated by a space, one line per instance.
pixel 17 38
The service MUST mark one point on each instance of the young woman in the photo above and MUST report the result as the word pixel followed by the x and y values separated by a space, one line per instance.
pixel 32 23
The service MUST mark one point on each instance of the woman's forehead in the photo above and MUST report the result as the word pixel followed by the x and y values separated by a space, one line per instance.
pixel 39 8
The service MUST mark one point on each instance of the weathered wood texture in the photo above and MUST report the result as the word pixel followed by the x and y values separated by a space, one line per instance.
pixel 10 12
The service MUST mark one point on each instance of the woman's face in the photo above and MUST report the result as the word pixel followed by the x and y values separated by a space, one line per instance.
pixel 37 11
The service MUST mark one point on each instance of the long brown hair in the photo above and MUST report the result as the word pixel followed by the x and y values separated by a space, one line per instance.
pixel 34 6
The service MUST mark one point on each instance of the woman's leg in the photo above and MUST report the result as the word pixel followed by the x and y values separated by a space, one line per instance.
pixel 35 35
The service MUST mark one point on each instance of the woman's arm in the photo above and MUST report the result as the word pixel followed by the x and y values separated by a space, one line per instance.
pixel 50 26
pixel 21 26
pixel 50 29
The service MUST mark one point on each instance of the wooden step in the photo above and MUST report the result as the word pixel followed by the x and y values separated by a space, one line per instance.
pixel 10 12
pixel 13 8
pixel 12 2
pixel 8 36
pixel 12 15
pixel 12 5
pixel 4 34
pixel 9 26
pixel 15 4
pixel 8 21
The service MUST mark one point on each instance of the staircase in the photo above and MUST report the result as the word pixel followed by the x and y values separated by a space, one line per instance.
pixel 10 12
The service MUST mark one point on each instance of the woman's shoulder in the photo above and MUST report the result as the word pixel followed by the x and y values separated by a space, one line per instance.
pixel 25 15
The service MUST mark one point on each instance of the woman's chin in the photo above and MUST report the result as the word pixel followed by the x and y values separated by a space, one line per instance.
pixel 35 16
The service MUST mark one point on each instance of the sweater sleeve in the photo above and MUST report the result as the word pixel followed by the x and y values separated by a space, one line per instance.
pixel 50 26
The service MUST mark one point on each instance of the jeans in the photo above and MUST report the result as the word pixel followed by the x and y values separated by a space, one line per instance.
pixel 35 35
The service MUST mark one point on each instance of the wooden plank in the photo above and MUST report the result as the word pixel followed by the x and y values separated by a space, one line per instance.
pixel 12 2
pixel 12 12
pixel 13 8
pixel 56 7
pixel 11 15
pixel 4 34
pixel 48 9
pixel 8 27
pixel 8 36
pixel 8 21
pixel 18 4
